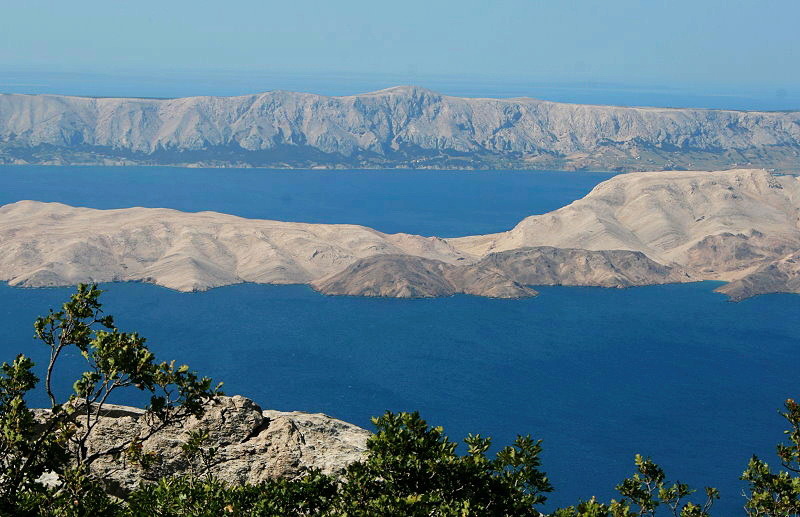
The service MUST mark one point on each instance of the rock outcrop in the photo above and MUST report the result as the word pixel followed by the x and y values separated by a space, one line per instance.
pixel 399 127
pixel 634 229
pixel 252 444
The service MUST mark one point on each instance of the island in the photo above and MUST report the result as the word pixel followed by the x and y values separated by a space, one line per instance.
pixel 739 226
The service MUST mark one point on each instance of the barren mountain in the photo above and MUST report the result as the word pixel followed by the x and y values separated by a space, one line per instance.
pixel 404 276
pixel 498 275
pixel 688 218
pixel 43 244
pixel 398 127
pixel 741 226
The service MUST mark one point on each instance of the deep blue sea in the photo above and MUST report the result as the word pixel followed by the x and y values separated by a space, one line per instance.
pixel 674 372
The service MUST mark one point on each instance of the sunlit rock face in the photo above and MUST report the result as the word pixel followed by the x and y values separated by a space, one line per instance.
pixel 252 445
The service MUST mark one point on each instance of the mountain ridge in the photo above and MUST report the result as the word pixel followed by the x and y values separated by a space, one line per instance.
pixel 398 127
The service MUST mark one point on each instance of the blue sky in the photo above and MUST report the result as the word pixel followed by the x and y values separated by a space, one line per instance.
pixel 647 42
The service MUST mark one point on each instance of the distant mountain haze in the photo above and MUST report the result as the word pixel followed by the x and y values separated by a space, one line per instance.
pixel 404 127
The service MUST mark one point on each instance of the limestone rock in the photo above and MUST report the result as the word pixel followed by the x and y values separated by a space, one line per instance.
pixel 253 445
pixel 727 252
pixel 498 275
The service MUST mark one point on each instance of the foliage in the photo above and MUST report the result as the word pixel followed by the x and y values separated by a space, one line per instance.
pixel 199 453
pixel 78 494
pixel 25 452
pixel 413 469
pixel 642 494
pixel 777 493
pixel 188 496
pixel 410 469
pixel 115 360
pixel 56 440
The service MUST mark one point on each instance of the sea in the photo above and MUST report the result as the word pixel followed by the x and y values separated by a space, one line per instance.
pixel 187 83
pixel 673 372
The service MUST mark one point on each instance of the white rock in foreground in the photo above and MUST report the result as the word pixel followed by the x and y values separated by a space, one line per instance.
pixel 253 445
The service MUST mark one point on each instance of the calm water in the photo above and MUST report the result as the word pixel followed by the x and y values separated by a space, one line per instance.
pixel 674 372
pixel 443 203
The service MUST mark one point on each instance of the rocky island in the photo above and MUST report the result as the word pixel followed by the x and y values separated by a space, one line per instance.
pixel 739 226
pixel 405 126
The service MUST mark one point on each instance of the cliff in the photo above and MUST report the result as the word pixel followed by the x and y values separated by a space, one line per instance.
pixel 398 127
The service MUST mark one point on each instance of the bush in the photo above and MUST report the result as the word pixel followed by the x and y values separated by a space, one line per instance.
pixel 55 442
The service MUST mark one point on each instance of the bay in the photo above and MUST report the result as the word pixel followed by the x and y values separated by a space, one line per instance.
pixel 442 203
pixel 674 372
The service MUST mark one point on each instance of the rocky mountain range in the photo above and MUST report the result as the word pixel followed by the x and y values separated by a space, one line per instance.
pixel 739 226
pixel 405 126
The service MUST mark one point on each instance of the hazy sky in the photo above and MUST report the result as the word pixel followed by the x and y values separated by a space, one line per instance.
pixel 624 41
